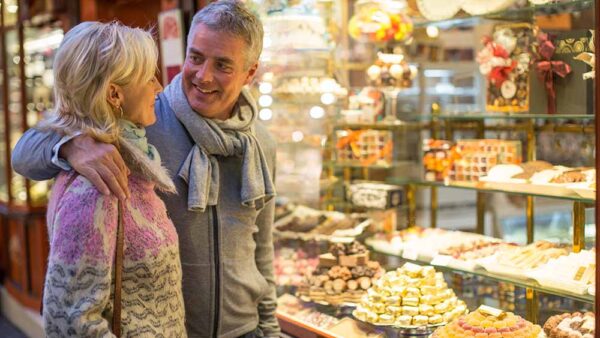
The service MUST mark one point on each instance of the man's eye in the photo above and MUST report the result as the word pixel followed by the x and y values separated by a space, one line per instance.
pixel 224 67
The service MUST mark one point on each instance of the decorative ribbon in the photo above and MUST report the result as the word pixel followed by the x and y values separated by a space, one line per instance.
pixel 546 68
pixel 495 62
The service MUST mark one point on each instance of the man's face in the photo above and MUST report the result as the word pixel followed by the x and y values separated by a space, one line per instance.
pixel 214 72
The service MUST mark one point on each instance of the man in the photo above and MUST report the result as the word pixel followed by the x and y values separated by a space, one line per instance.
pixel 222 165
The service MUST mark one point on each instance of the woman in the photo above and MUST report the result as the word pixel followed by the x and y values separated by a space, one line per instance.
pixel 105 87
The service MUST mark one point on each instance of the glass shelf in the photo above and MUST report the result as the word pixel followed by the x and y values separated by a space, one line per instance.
pixel 517 282
pixel 410 120
pixel 520 14
pixel 527 190
pixel 383 125
pixel 515 116
pixel 393 165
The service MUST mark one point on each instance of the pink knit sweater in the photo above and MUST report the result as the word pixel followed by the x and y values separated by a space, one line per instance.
pixel 79 290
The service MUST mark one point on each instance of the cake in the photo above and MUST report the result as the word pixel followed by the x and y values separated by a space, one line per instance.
pixel 412 295
pixel 488 322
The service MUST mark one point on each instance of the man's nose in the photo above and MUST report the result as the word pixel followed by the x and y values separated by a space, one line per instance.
pixel 204 73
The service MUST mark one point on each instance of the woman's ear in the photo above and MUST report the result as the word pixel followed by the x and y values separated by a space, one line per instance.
pixel 114 96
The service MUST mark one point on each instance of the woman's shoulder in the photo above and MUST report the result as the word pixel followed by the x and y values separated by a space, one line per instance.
pixel 81 220
pixel 75 192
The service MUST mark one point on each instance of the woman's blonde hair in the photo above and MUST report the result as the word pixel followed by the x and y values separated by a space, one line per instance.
pixel 91 56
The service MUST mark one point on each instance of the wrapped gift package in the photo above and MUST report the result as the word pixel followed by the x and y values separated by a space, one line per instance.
pixel 505 61
pixel 476 157
pixel 437 160
pixel 375 195
pixel 574 95
pixel 364 147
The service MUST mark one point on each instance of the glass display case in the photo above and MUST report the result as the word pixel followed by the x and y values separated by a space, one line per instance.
pixel 454 142
pixel 27 50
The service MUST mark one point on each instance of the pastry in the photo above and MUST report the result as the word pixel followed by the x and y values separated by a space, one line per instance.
pixel 395 310
pixel 392 300
pixel 352 284
pixel 410 301
pixel 392 296
pixel 403 320
pixel 436 319
pixel 378 308
pixel 570 325
pixel 427 299
pixel 339 285
pixel 410 310
pixel 412 292
pixel 488 322
pixel 385 319
pixel 420 320
pixel 364 282
pixel 426 310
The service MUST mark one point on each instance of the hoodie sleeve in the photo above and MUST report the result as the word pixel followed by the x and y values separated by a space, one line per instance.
pixel 32 156
pixel 267 321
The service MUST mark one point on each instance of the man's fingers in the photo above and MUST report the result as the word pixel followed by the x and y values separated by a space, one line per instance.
pixel 119 175
pixel 118 160
pixel 112 182
pixel 93 177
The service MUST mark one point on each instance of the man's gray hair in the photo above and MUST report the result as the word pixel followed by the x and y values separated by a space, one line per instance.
pixel 233 17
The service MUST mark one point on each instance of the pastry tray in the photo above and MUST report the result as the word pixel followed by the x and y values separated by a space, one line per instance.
pixel 541 335
pixel 583 190
pixel 414 329
pixel 307 299
pixel 491 264
pixel 341 235
pixel 519 185
pixel 558 283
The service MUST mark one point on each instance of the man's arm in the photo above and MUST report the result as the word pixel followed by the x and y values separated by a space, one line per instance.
pixel 99 162
pixel 32 156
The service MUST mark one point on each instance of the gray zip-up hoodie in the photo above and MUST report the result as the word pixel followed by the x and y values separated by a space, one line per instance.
pixel 226 252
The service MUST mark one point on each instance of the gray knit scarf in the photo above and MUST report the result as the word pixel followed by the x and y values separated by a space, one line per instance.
pixel 232 137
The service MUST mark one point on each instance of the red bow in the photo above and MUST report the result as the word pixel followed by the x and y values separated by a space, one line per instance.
pixel 497 74
pixel 546 68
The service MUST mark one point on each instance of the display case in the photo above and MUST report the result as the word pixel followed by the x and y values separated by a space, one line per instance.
pixel 538 275
pixel 30 35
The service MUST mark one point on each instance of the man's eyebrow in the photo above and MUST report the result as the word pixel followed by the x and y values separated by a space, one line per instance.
pixel 195 51
pixel 222 59
pixel 225 60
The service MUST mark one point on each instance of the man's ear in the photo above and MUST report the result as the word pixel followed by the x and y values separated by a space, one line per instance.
pixel 251 73
pixel 114 95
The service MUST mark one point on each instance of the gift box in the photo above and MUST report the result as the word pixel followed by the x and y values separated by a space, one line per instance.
pixel 364 147
pixel 505 62
pixel 375 195
pixel 574 95
pixel 437 159
pixel 474 158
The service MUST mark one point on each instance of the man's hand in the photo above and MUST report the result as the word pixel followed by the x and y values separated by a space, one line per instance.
pixel 100 163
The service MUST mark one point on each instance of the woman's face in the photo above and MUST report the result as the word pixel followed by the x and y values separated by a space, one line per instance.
pixel 138 101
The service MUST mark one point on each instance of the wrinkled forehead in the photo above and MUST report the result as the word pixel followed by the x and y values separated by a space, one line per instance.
pixel 216 44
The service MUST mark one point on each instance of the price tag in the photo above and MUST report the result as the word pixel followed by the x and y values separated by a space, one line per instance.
pixel 410 253
pixel 441 260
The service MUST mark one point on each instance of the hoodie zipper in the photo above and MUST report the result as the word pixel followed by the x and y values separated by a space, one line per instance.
pixel 217 271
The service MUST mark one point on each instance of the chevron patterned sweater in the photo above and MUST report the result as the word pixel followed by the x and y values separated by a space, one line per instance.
pixel 79 290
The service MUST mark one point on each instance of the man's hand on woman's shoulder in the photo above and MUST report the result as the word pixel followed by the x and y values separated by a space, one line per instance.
pixel 100 163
